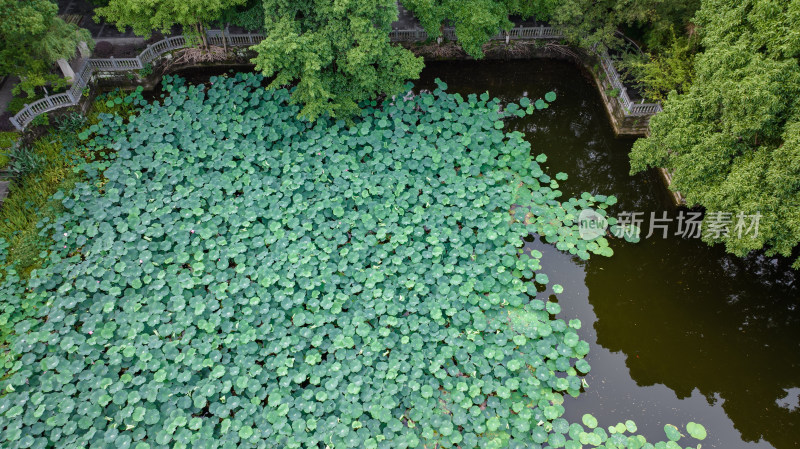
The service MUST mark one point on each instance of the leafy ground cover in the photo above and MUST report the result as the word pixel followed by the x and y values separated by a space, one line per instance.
pixel 233 276
pixel 7 139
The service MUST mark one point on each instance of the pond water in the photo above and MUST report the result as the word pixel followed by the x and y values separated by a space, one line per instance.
pixel 679 331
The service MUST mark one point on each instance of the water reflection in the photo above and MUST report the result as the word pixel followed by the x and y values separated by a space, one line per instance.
pixel 680 331
pixel 791 401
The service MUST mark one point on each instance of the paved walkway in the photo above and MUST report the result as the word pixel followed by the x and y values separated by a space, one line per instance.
pixel 5 92
pixel 3 191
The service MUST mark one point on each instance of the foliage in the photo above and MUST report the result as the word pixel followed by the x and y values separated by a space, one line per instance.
pixel 249 16
pixel 656 23
pixel 70 121
pixel 146 16
pixel 273 282
pixel 733 139
pixel 32 38
pixel 337 53
pixel 25 161
pixel 41 120
pixel 657 74
pixel 475 21
pixel 146 71
pixel 8 138
pixel 7 141
pixel 595 23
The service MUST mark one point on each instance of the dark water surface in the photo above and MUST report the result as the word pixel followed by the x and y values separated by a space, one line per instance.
pixel 679 331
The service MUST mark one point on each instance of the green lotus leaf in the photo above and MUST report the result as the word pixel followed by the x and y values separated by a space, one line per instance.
pixel 583 366
pixel 589 421
pixel 672 432
pixel 696 430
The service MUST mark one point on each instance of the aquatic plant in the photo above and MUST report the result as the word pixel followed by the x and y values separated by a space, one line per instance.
pixel 233 276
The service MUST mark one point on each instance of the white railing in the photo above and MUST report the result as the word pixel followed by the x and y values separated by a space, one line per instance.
pixel 629 107
pixel 540 32
pixel 449 33
pixel 219 37
pixel 408 35
pixel 89 67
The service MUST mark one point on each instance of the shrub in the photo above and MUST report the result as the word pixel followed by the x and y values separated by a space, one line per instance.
pixel 7 140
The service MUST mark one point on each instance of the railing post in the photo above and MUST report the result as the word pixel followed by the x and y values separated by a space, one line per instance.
pixel 113 62
pixel 14 122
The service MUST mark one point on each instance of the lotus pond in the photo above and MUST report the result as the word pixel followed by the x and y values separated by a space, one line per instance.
pixel 234 277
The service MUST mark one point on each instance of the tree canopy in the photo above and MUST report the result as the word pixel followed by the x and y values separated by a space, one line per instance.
pixel 146 16
pixel 338 53
pixel 733 139
pixel 595 23
pixel 475 21
pixel 32 38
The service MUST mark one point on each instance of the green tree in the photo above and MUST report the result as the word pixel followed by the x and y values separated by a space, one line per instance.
pixel 733 139
pixel 337 52
pixel 658 73
pixel 32 38
pixel 596 23
pixel 146 16
pixel 249 16
pixel 475 21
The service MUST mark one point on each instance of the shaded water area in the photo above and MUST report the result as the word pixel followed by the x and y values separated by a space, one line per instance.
pixel 679 331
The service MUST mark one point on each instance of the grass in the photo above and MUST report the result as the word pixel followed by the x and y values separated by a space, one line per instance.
pixel 7 139
pixel 29 201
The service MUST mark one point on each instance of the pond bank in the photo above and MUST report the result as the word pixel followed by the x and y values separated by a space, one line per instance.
pixel 623 125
